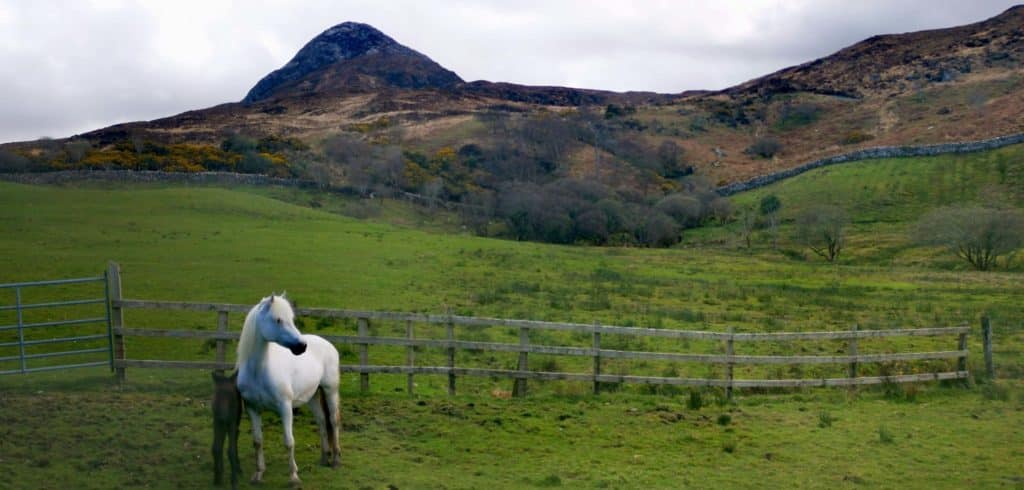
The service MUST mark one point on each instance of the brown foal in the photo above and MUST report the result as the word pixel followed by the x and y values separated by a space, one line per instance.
pixel 227 413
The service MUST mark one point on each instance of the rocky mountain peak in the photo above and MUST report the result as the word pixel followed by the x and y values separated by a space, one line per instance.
pixel 354 49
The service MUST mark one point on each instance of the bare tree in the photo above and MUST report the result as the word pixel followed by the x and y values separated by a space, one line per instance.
pixel 822 229
pixel 746 218
pixel 432 191
pixel 770 206
pixel 976 234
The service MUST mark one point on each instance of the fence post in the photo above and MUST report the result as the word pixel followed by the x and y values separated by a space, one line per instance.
pixel 21 330
pixel 961 345
pixel 986 335
pixel 449 331
pixel 852 351
pixel 116 319
pixel 597 359
pixel 364 355
pixel 729 367
pixel 410 357
pixel 222 326
pixel 519 387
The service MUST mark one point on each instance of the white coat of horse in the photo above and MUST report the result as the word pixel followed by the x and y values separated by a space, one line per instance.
pixel 280 368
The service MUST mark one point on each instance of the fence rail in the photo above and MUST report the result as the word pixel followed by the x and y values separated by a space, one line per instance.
pixel 450 344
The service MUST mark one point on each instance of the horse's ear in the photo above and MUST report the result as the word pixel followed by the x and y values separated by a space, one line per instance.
pixel 272 294
pixel 234 376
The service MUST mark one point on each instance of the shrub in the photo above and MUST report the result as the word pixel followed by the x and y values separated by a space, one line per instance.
pixel 996 392
pixel 765 147
pixel 724 419
pixel 13 162
pixel 255 163
pixel 825 419
pixel 856 136
pixel 695 401
pixel 793 115
pixel 884 436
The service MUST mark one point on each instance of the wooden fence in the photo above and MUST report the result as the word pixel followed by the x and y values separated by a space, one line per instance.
pixel 450 344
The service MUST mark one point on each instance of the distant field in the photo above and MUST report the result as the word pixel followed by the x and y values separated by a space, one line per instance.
pixel 885 198
pixel 217 245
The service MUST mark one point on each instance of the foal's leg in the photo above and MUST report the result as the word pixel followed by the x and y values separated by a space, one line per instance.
pixel 236 468
pixel 257 443
pixel 289 440
pixel 316 405
pixel 217 450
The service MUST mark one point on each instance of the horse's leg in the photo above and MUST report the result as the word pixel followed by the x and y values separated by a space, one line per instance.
pixel 334 414
pixel 257 443
pixel 316 405
pixel 236 468
pixel 289 440
pixel 217 450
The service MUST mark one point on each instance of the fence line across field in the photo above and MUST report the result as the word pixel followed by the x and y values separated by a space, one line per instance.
pixel 449 345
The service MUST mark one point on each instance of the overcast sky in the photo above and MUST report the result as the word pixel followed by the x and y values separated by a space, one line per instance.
pixel 72 66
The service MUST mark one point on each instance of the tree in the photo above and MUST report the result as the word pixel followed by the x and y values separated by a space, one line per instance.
pixel 821 229
pixel 979 235
pixel 658 230
pixel 13 162
pixel 254 163
pixel 746 219
pixel 686 209
pixel 770 206
pixel 670 160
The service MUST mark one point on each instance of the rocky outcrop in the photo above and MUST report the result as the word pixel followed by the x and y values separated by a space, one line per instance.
pixel 872 153
pixel 352 56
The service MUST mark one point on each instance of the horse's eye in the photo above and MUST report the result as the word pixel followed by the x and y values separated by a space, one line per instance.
pixel 278 321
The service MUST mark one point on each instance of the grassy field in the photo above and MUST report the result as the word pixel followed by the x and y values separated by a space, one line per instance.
pixel 79 431
pixel 217 245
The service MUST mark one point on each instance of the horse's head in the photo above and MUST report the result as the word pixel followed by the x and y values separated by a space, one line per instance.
pixel 276 322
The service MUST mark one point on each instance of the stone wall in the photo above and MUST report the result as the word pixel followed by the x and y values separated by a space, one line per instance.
pixel 870 153
pixel 219 178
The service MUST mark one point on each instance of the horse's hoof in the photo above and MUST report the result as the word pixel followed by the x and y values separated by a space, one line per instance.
pixel 295 482
pixel 256 479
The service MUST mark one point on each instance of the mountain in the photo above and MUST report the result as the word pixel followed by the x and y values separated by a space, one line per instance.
pixel 351 57
pixel 353 81
pixel 887 64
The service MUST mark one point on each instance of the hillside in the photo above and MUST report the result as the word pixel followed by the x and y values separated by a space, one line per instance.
pixel 356 108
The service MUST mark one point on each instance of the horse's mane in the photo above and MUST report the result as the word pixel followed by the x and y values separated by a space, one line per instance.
pixel 247 340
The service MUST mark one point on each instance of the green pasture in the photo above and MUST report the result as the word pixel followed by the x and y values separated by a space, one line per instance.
pixel 208 244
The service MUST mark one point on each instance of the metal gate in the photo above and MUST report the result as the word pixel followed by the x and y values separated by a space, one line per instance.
pixel 55 332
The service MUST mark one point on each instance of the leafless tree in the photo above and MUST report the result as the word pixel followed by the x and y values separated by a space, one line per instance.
pixel 770 206
pixel 746 218
pixel 979 235
pixel 432 191
pixel 822 229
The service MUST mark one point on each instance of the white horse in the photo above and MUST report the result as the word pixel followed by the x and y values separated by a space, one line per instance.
pixel 272 378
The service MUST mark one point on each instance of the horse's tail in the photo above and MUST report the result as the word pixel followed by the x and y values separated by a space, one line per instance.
pixel 328 418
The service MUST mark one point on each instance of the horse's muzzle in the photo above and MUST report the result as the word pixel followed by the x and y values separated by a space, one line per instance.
pixel 298 349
